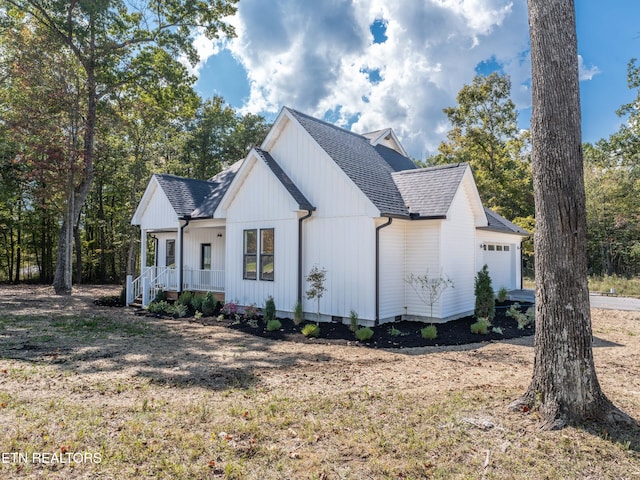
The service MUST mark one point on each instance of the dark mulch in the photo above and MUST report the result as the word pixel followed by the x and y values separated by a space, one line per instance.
pixel 457 332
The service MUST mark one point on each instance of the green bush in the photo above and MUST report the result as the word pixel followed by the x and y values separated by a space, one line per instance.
pixel 178 310
pixel 251 312
pixel 159 307
pixel 209 303
pixel 185 299
pixel 161 296
pixel 429 332
pixel 481 327
pixel 364 334
pixel 196 302
pixel 298 313
pixel 311 330
pixel 394 332
pixel 269 312
pixel 497 330
pixel 485 298
pixel 273 325
pixel 353 317
pixel 523 319
pixel 502 295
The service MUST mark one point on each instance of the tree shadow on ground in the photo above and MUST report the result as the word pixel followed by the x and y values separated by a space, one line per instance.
pixel 168 352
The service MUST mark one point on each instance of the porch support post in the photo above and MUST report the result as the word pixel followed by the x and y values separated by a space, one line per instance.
pixel 129 289
pixel 146 292
pixel 143 250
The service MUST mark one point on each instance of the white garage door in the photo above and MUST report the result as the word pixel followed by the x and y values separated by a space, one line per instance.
pixel 500 260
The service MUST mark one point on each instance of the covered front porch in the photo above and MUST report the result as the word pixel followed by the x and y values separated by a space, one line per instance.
pixel 188 258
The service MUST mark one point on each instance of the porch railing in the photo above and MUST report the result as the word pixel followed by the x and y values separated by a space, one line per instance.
pixel 155 279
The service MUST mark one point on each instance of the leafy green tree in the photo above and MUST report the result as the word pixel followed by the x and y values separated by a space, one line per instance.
pixel 114 45
pixel 485 134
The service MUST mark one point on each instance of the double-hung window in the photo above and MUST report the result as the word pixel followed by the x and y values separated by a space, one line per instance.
pixel 258 254
pixel 266 254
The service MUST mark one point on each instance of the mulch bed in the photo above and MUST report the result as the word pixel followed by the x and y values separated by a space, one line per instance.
pixel 456 332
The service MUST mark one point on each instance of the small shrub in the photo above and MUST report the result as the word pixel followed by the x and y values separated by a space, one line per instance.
pixel 353 317
pixel 429 332
pixel 209 304
pixel 481 327
pixel 497 330
pixel 523 319
pixel 394 332
pixel 485 298
pixel 251 312
pixel 273 325
pixel 196 302
pixel 197 315
pixel 298 313
pixel 161 296
pixel 178 310
pixel 269 309
pixel 185 299
pixel 252 322
pixel 220 318
pixel 229 309
pixel 159 307
pixel 364 334
pixel 502 295
pixel 311 330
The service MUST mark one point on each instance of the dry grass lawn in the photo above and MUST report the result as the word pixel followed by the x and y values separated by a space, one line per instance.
pixel 176 399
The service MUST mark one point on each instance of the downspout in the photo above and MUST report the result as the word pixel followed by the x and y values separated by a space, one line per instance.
pixel 378 228
pixel 300 220
pixel 187 219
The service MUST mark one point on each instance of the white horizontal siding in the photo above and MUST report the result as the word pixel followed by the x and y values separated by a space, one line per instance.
pixel 392 270
pixel 422 245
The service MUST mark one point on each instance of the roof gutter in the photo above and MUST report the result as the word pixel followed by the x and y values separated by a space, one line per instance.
pixel 378 228
pixel 300 220
pixel 187 219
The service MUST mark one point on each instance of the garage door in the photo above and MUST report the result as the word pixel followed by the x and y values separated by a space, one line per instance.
pixel 499 258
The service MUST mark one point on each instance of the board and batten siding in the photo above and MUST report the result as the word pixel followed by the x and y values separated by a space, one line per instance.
pixel 392 270
pixel 422 243
pixel 194 236
pixel 318 177
pixel 158 213
pixel 262 202
pixel 459 252
pixel 345 248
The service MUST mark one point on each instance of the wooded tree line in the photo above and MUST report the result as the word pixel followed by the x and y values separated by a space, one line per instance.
pixel 79 151
pixel 485 134
pixel 93 101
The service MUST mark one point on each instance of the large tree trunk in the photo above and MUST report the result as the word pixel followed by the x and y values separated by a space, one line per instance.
pixel 564 387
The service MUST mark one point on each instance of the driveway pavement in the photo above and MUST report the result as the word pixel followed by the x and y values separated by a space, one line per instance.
pixel 597 301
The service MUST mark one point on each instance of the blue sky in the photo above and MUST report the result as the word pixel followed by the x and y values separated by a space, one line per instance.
pixel 367 65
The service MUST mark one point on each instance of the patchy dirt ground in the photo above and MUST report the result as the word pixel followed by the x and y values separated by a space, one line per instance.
pixel 68 355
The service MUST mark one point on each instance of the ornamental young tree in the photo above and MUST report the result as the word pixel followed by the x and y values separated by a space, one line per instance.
pixel 564 386
pixel 114 46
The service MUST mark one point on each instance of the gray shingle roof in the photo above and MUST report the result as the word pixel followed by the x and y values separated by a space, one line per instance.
pixel 369 167
pixel 297 195
pixel 498 222
pixel 184 194
pixel 428 192
pixel 220 184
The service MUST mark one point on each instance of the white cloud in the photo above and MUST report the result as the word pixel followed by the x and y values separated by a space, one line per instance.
pixel 584 72
pixel 311 56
